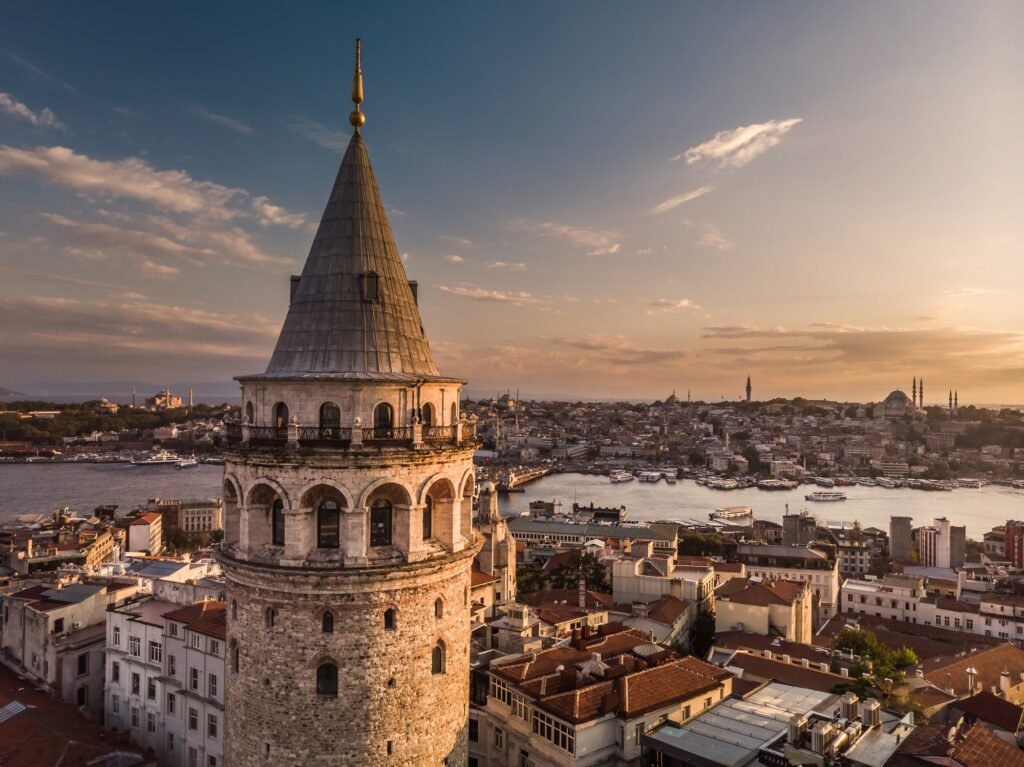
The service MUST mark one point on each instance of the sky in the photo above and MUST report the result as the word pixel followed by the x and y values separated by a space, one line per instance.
pixel 598 199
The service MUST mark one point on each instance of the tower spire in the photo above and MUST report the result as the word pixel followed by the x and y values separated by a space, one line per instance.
pixel 913 394
pixel 357 118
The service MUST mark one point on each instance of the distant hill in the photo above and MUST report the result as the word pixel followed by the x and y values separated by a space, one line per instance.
pixel 5 392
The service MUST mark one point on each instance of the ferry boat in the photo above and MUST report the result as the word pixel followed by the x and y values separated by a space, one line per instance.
pixel 867 482
pixel 885 482
pixel 621 476
pixel 824 482
pixel 722 484
pixel 731 512
pixel 776 484
pixel 187 463
pixel 826 496
pixel 158 458
pixel 971 483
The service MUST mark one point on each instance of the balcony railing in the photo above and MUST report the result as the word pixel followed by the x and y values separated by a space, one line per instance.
pixel 387 435
pixel 324 435
pixel 268 435
pixel 438 434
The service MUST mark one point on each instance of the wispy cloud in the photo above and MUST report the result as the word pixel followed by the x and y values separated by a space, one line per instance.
pixel 505 265
pixel 477 293
pixel 454 259
pixel 680 199
pixel 319 133
pixel 461 242
pixel 737 147
pixel 968 292
pixel 618 350
pixel 44 118
pixel 38 71
pixel 599 242
pixel 713 238
pixel 228 122
pixel 673 304
pixel 269 214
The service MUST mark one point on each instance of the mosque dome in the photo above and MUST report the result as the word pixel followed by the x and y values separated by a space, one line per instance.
pixel 896 405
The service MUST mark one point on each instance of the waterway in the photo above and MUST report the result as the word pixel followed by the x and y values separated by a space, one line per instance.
pixel 38 488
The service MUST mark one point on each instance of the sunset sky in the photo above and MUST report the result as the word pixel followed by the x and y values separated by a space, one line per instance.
pixel 597 199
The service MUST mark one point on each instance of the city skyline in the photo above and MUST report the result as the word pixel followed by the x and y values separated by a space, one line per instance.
pixel 609 206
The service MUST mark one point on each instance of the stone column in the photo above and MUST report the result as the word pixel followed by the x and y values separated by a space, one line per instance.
pixel 293 433
pixel 298 533
pixel 357 432
pixel 417 433
pixel 401 527
pixel 354 536
pixel 246 432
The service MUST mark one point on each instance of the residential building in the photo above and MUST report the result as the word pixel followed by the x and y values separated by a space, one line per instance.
pixel 816 566
pixel 799 529
pixel 901 536
pixel 145 533
pixel 894 597
pixel 644 576
pixel 942 545
pixel 770 607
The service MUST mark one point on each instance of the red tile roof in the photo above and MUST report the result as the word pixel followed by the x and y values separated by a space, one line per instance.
pixel 981 746
pixel 764 593
pixel 209 618
pixel 992 709
pixel 755 667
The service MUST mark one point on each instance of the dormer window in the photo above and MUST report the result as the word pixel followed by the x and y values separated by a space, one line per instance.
pixel 371 286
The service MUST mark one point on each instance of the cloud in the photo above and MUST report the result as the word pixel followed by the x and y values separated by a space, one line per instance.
pixel 454 259
pixel 505 265
pixel 671 304
pixel 98 241
pixel 269 214
pixel 396 212
pixel 679 199
pixel 319 133
pixel 38 71
pixel 599 242
pixel 461 242
pixel 223 120
pixel 159 270
pixel 618 350
pixel 713 238
pixel 968 292
pixel 737 147
pixel 476 293
pixel 46 118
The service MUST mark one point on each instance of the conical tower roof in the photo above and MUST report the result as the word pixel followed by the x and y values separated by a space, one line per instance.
pixel 339 324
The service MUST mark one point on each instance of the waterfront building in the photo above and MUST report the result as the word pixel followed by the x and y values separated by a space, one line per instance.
pixel 348 494
pixel 901 531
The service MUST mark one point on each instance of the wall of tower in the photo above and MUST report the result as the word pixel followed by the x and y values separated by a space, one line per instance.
pixel 388 696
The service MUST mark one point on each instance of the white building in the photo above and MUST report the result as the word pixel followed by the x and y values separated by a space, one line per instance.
pixel 145 533
pixel 646 577
pixel 796 563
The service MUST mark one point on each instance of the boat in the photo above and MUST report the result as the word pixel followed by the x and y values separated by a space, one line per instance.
pixel 885 482
pixel 826 496
pixel 824 482
pixel 722 484
pixel 158 458
pixel 866 482
pixel 971 483
pixel 187 463
pixel 621 476
pixel 731 512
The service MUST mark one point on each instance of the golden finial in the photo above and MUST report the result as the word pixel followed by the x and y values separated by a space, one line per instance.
pixel 357 118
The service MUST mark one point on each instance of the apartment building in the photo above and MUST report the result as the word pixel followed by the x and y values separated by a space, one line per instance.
pixel 644 576
pixel 816 566
pixel 771 608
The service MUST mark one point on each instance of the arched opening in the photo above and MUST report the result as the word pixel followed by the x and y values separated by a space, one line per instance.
pixel 440 500
pixel 281 415
pixel 327 622
pixel 381 513
pixel 439 608
pixel 427 415
pixel 270 617
pixel 262 500
pixel 383 420
pixel 328 525
pixel 232 517
pixel 428 518
pixel 330 420
pixel 390 618
pixel 249 412
pixel 277 522
pixel 437 659
pixel 327 680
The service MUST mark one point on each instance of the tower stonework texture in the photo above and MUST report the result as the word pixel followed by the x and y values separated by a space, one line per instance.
pixel 348 489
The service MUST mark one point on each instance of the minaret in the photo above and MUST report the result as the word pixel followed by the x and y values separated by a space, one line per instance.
pixel 951 402
pixel 920 391
pixel 348 530
pixel 190 398
pixel 956 403
pixel 913 392
pixel 748 388
pixel 133 396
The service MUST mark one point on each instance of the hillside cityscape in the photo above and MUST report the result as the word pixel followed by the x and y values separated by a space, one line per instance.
pixel 360 558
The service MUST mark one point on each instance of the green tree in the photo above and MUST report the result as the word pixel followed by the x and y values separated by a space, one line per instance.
pixel 580 565
pixel 702 634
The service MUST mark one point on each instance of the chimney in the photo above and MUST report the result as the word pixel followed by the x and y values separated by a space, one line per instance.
pixel 1004 683
pixel 971 673
pixel 786 659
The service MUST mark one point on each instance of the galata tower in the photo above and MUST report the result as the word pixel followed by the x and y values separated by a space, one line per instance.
pixel 348 493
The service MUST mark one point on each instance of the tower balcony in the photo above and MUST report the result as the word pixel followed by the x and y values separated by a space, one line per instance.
pixel 245 436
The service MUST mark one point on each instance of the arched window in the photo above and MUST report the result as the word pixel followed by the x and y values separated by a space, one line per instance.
pixel 277 522
pixel 234 656
pixel 383 420
pixel 281 415
pixel 269 617
pixel 428 518
pixel 380 523
pixel 327 680
pixel 427 415
pixel 248 413
pixel 330 420
pixel 327 622
pixel 437 658
pixel 328 525
pixel 390 618
pixel 439 608
pixel 371 286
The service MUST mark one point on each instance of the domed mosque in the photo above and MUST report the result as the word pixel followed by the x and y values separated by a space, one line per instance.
pixel 898 405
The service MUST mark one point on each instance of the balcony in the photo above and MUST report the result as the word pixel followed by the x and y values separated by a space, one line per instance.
pixel 325 436
pixel 269 436
pixel 388 435
pixel 345 437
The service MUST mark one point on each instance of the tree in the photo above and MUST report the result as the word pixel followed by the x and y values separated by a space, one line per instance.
pixel 886 663
pixel 530 578
pixel 753 457
pixel 580 565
